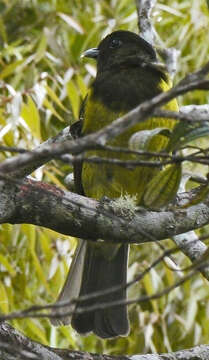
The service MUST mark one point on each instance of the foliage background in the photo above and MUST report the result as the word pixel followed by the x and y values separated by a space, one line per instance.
pixel 42 81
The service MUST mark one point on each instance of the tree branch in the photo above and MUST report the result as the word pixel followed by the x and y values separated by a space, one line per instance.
pixel 35 161
pixel 71 214
pixel 144 9
pixel 192 81
pixel 14 345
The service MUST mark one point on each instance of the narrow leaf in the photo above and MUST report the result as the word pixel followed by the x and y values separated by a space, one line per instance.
pixel 4 302
pixel 71 22
pixel 74 97
pixel 163 187
pixel 50 107
pixel 141 139
pixel 9 69
pixel 185 132
pixel 41 48
pixel 55 98
pixel 30 114
pixel 7 265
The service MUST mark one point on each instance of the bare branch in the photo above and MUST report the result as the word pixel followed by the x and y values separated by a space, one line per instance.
pixel 131 164
pixel 144 9
pixel 186 113
pixel 148 32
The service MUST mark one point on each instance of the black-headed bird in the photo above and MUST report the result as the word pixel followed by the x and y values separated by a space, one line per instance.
pixel 128 73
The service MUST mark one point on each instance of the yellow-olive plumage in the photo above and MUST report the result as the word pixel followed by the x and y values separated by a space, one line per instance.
pixel 111 180
pixel 127 74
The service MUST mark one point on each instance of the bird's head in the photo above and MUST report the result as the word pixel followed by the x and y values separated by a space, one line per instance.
pixel 120 47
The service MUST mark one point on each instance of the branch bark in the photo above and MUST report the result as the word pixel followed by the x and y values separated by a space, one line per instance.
pixel 14 345
pixel 42 204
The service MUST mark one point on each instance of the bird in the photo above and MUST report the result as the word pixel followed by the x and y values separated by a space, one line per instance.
pixel 128 73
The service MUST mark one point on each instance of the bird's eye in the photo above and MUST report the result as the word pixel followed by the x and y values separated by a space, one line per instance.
pixel 115 43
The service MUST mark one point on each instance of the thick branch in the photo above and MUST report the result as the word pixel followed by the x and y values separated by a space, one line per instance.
pixel 71 214
pixel 14 345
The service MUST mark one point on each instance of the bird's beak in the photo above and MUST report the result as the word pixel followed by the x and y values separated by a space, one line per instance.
pixel 91 53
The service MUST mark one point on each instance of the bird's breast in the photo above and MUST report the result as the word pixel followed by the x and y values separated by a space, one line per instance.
pixel 112 179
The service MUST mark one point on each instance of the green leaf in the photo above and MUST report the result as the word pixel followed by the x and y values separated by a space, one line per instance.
pixel 195 134
pixel 55 98
pixel 3 32
pixel 141 139
pixel 9 69
pixel 71 22
pixel 9 134
pixel 40 52
pixel 148 284
pixel 81 86
pixel 4 302
pixel 50 107
pixel 186 132
pixel 30 114
pixel 7 265
pixel 74 97
pixel 35 328
pixel 30 231
pixel 163 187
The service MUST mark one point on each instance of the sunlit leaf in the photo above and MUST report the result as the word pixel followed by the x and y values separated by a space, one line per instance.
pixel 191 313
pixel 37 330
pixel 6 131
pixel 55 98
pixel 4 303
pixel 73 95
pixel 54 179
pixel 31 233
pixel 50 107
pixel 71 22
pixel 40 52
pixel 10 69
pixel 81 85
pixel 44 238
pixel 147 281
pixel 7 265
pixel 31 116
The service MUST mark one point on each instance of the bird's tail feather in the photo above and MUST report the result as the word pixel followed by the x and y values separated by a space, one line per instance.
pixel 101 273
pixel 91 271
pixel 71 288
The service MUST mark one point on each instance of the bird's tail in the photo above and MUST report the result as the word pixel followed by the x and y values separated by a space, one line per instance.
pixel 72 286
pixel 92 270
